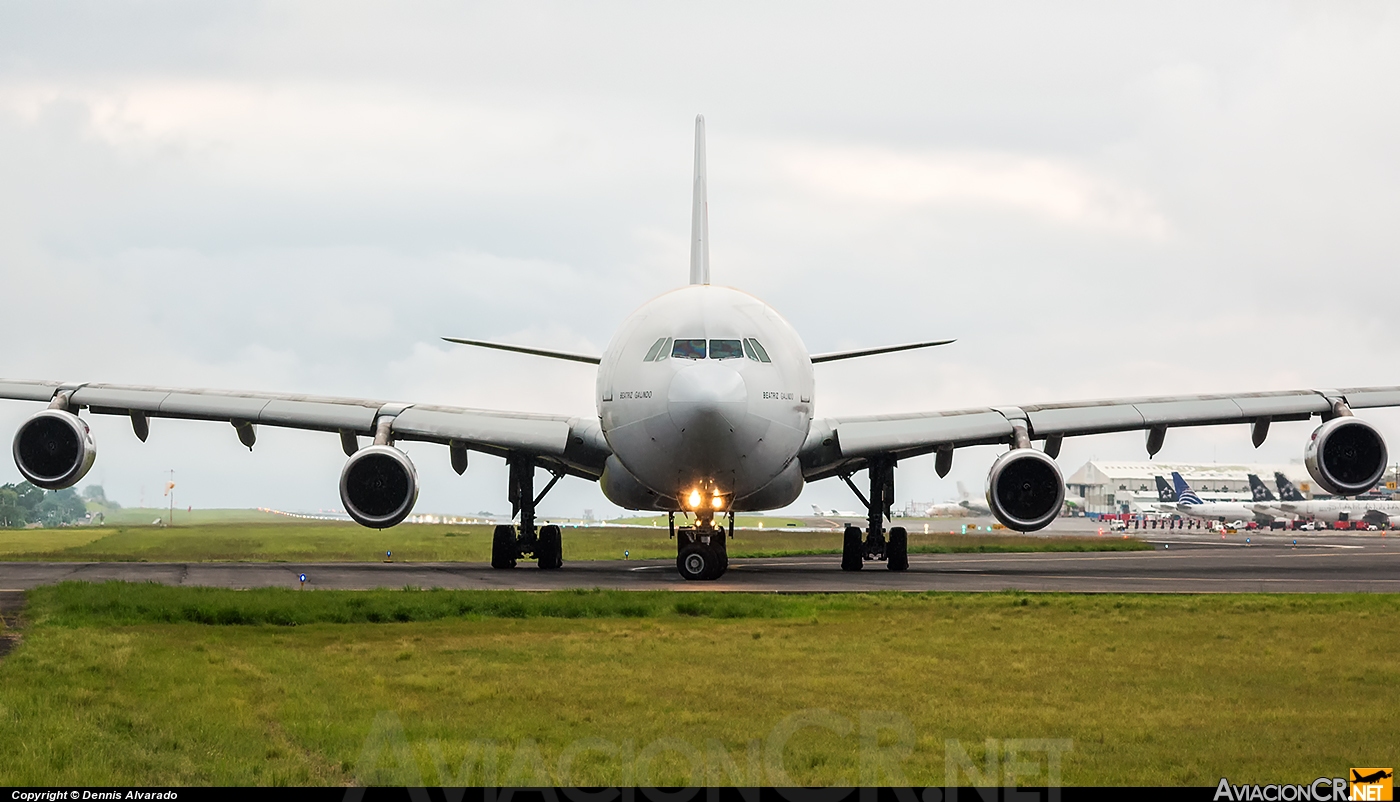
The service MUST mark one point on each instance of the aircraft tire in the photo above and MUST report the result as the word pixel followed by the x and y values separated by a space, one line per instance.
pixel 697 562
pixel 503 547
pixel 852 550
pixel 550 550
pixel 897 550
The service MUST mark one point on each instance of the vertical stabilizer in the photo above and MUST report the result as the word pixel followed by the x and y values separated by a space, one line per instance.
pixel 1165 491
pixel 699 213
pixel 1260 490
pixel 1184 493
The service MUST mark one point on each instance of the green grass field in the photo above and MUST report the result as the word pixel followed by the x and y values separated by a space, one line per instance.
pixel 142 684
pixel 144 516
pixel 319 541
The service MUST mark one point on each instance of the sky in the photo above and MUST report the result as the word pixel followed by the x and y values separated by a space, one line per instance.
pixel 1096 199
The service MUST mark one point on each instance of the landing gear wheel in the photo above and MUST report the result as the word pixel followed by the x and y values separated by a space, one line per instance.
pixel 698 561
pixel 550 549
pixel 503 551
pixel 852 550
pixel 897 550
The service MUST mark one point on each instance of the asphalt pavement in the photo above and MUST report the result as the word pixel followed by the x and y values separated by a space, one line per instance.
pixel 1184 562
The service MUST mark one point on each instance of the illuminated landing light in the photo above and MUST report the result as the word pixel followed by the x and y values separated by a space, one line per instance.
pixel 694 499
pixel 717 502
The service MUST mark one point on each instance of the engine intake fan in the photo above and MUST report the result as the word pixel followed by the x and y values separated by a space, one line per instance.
pixel 379 486
pixel 1025 489
pixel 54 449
pixel 1346 456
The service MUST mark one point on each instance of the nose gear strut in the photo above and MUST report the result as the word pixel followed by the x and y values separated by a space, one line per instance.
pixel 701 553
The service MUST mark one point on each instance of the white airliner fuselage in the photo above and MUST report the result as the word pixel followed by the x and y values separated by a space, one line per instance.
pixel 705 393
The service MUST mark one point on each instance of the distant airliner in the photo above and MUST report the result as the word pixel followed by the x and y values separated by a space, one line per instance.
pixel 705 400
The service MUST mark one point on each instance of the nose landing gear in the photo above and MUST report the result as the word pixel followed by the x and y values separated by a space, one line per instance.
pixel 700 549
pixel 509 543
pixel 894 550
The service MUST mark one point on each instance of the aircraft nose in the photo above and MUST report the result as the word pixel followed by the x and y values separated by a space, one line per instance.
pixel 707 396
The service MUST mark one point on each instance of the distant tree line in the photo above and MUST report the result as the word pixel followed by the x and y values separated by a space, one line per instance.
pixel 24 504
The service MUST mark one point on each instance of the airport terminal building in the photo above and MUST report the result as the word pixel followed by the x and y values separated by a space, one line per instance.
pixel 1117 486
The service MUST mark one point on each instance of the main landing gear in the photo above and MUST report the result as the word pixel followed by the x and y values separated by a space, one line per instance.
pixel 509 543
pixel 700 549
pixel 894 550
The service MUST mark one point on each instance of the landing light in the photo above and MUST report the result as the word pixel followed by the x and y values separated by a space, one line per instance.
pixel 695 499
pixel 717 502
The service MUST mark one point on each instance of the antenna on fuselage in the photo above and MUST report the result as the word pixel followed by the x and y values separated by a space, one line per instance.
pixel 699 213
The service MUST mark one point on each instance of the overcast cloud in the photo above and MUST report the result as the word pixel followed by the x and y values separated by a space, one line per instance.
pixel 1110 199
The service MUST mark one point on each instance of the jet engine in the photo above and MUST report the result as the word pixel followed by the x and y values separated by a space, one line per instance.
pixel 1346 455
pixel 54 449
pixel 1025 490
pixel 379 486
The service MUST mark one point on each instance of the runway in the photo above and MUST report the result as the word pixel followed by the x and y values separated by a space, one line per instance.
pixel 1180 563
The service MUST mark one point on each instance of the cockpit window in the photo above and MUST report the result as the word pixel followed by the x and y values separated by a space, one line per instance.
pixel 688 349
pixel 755 351
pixel 658 350
pixel 726 349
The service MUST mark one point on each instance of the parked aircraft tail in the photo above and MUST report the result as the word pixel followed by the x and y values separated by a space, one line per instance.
pixel 1164 491
pixel 1286 490
pixel 1184 493
pixel 1261 491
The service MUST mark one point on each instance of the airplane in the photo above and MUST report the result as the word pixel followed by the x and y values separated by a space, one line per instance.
pixel 1373 777
pixel 969 504
pixel 705 400
pixel 821 513
pixel 1189 503
pixel 1381 512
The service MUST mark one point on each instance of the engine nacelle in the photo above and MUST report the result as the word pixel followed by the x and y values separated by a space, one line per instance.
pixel 379 486
pixel 1346 456
pixel 1025 490
pixel 626 491
pixel 54 449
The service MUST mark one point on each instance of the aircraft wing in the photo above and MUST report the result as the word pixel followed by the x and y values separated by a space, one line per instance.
pixel 840 445
pixel 574 445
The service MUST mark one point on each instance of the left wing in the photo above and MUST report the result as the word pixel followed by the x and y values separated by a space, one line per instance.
pixel 838 446
pixel 569 444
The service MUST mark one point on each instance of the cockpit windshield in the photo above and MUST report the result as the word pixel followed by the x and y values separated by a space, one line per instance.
pixel 688 349
pixel 726 349
pixel 697 349
pixel 658 350
pixel 755 351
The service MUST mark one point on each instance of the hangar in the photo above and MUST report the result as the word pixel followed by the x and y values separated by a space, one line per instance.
pixel 1119 486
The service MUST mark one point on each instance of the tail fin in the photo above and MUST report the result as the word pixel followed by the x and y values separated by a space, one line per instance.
pixel 817 511
pixel 1261 491
pixel 1286 490
pixel 1165 491
pixel 699 212
pixel 962 492
pixel 1184 493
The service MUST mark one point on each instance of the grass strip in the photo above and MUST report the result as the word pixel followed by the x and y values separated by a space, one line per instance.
pixel 83 604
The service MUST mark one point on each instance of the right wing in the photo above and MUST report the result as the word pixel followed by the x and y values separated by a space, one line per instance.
pixel 838 446
pixel 570 444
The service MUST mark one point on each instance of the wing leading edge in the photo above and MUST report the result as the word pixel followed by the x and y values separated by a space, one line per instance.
pixel 840 445
pixel 574 445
